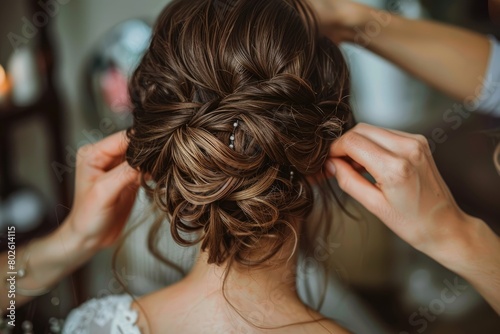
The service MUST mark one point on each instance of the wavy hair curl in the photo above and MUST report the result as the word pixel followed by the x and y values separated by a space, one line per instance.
pixel 211 63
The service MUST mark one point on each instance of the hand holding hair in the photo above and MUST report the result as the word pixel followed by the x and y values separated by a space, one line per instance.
pixel 105 191
pixel 451 59
pixel 411 198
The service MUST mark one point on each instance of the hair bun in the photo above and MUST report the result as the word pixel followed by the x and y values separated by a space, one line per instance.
pixel 264 66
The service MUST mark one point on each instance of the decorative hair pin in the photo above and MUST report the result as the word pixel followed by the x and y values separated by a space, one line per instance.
pixel 233 135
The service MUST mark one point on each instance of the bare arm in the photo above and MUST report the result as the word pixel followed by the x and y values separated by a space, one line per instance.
pixel 450 59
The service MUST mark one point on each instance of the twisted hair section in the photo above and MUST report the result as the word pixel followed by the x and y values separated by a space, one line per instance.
pixel 263 64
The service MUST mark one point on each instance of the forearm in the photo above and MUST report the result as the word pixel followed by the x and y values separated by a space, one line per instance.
pixel 50 259
pixel 451 59
pixel 474 254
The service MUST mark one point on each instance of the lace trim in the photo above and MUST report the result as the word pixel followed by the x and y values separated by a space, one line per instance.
pixel 126 319
pixel 111 314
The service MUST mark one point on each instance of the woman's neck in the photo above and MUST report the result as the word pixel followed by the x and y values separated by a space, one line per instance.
pixel 252 291
pixel 247 299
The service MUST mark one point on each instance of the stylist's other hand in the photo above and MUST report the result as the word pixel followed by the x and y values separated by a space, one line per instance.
pixel 339 18
pixel 409 195
pixel 105 191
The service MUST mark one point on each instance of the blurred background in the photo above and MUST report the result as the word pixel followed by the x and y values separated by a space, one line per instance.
pixel 64 66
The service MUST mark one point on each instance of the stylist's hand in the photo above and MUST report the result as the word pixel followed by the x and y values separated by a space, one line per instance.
pixel 409 195
pixel 340 18
pixel 105 191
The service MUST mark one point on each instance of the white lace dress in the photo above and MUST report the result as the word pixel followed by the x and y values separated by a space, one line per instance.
pixel 109 315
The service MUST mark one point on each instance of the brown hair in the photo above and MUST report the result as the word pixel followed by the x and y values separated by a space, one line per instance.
pixel 264 64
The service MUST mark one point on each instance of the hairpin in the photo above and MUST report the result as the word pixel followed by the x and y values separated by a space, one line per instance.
pixel 291 175
pixel 233 135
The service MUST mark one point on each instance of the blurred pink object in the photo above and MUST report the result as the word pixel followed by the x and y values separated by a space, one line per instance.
pixel 115 91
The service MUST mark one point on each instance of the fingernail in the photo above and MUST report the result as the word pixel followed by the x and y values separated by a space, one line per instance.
pixel 331 167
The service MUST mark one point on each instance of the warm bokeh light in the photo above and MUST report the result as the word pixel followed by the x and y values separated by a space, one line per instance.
pixel 5 85
pixel 3 76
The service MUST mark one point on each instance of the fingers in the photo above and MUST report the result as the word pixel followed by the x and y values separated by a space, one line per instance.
pixel 105 154
pixel 121 179
pixel 382 151
pixel 398 142
pixel 370 155
pixel 389 140
pixel 353 183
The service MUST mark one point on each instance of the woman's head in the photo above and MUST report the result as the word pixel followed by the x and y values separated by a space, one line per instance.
pixel 263 64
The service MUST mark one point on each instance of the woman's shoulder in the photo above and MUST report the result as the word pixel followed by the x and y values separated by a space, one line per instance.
pixel 108 315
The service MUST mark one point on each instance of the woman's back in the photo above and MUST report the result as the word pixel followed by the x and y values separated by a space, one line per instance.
pixel 182 309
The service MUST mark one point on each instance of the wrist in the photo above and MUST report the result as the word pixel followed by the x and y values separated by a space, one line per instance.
pixel 74 241
pixel 53 257
pixel 363 24
pixel 471 249
pixel 339 19
pixel 356 20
